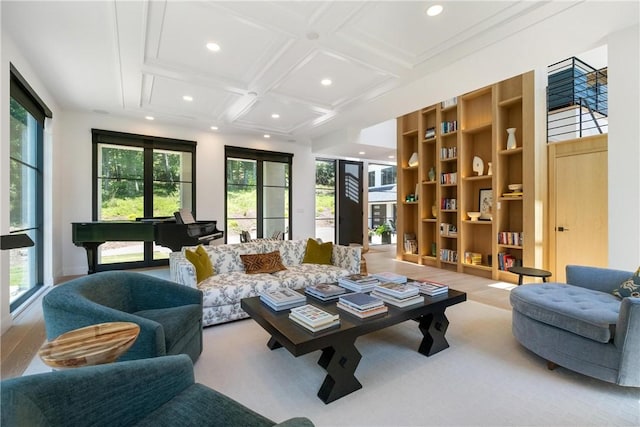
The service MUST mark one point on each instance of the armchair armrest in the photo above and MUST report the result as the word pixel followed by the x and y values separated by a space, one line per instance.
pixel 627 340
pixel 116 394
pixel 181 270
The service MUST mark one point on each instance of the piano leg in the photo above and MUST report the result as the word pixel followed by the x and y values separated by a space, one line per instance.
pixel 92 255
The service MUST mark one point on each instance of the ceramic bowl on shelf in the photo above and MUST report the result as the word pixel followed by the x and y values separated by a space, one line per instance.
pixel 473 215
pixel 515 187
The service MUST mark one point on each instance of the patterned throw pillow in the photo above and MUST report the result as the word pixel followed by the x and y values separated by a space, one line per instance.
pixel 318 253
pixel 630 287
pixel 262 263
pixel 201 261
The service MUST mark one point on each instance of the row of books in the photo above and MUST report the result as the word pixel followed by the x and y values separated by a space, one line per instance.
pixel 449 204
pixel 448 152
pixel 449 126
pixel 358 282
pixel 510 238
pixel 429 287
pixel 398 294
pixel 448 255
pixel 449 178
pixel 447 229
pixel 506 261
pixel 473 258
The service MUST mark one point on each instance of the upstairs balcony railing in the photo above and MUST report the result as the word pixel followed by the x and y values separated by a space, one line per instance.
pixel 577 100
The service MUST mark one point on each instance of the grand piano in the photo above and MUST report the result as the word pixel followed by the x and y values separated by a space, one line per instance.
pixel 173 233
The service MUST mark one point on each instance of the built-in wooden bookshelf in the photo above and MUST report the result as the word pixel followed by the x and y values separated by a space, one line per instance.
pixel 447 137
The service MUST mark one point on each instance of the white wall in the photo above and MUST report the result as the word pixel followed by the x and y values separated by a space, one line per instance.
pixel 624 149
pixel 74 193
pixel 10 53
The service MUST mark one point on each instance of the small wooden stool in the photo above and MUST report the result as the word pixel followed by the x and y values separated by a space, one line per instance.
pixel 531 272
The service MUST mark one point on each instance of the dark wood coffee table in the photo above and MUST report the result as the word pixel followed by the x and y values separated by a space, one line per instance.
pixel 340 357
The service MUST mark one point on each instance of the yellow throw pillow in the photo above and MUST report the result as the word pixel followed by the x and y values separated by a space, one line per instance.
pixel 318 253
pixel 262 263
pixel 201 261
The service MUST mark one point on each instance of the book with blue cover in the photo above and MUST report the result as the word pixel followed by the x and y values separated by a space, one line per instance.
pixel 361 301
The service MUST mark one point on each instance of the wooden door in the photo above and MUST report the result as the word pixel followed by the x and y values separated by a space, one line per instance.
pixel 350 206
pixel 580 223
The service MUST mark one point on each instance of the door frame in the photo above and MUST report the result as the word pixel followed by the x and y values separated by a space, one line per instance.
pixel 572 147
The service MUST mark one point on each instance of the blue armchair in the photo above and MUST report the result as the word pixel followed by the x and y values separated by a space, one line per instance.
pixel 169 315
pixel 154 392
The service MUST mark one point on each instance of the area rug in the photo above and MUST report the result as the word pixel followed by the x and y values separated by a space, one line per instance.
pixel 485 378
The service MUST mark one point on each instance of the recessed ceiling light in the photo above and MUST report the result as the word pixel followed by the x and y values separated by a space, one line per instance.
pixel 326 82
pixel 275 116
pixel 266 135
pixel 213 47
pixel 187 98
pixel 392 157
pixel 214 127
pixel 434 10
pixel 149 117
pixel 361 152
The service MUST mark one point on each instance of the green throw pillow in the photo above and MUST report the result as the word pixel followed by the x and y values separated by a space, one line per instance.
pixel 318 253
pixel 630 287
pixel 201 261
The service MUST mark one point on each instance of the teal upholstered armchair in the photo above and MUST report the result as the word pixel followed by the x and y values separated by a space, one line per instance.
pixel 154 392
pixel 169 315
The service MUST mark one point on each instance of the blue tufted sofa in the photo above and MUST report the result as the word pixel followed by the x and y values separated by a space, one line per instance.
pixel 581 325
pixel 169 315
pixel 154 392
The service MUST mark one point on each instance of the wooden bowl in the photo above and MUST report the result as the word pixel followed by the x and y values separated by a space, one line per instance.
pixel 91 345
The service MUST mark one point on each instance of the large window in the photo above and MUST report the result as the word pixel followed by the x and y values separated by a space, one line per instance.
pixel 138 177
pixel 258 196
pixel 326 200
pixel 27 115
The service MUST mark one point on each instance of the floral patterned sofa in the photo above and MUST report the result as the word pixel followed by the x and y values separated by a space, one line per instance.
pixel 224 290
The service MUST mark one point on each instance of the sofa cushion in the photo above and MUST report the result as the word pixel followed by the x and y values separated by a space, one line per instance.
pixel 262 263
pixel 201 261
pixel 301 275
pixel 630 287
pixel 591 314
pixel 175 321
pixel 317 253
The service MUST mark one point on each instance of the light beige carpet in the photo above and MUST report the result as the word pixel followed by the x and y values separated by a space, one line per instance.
pixel 485 378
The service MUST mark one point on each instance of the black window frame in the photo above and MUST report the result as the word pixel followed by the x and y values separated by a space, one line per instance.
pixel 148 144
pixel 22 92
pixel 259 156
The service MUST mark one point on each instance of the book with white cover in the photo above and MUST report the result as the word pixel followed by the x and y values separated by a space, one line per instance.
pixel 312 315
pixel 363 314
pixel 325 289
pixel 282 296
pixel 397 289
pixel 310 328
pixel 283 306
pixel 387 276
pixel 399 302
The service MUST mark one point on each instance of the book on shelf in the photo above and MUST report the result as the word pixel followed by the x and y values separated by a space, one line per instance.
pixel 399 290
pixel 312 315
pixel 360 301
pixel 387 276
pixel 325 291
pixel 429 287
pixel 363 314
pixel 310 328
pixel 282 299
pixel 398 302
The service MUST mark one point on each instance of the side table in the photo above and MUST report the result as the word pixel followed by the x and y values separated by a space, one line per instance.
pixel 91 345
pixel 531 272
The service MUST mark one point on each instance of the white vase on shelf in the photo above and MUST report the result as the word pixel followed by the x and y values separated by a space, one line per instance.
pixel 489 169
pixel 511 138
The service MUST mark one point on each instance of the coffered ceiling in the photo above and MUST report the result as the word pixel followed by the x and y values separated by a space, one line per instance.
pixel 140 58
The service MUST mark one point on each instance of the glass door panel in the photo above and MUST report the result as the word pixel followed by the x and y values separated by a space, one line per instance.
pixel 275 202
pixel 242 198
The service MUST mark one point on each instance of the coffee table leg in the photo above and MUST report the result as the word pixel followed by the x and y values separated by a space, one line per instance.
pixel 433 327
pixel 340 362
pixel 273 344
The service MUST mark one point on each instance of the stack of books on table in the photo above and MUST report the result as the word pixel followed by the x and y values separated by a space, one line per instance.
pixel 282 299
pixel 313 318
pixel 429 287
pixel 361 305
pixel 358 282
pixel 325 291
pixel 398 294
pixel 387 276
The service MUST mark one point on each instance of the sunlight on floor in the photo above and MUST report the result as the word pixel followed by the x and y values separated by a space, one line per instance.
pixel 503 285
